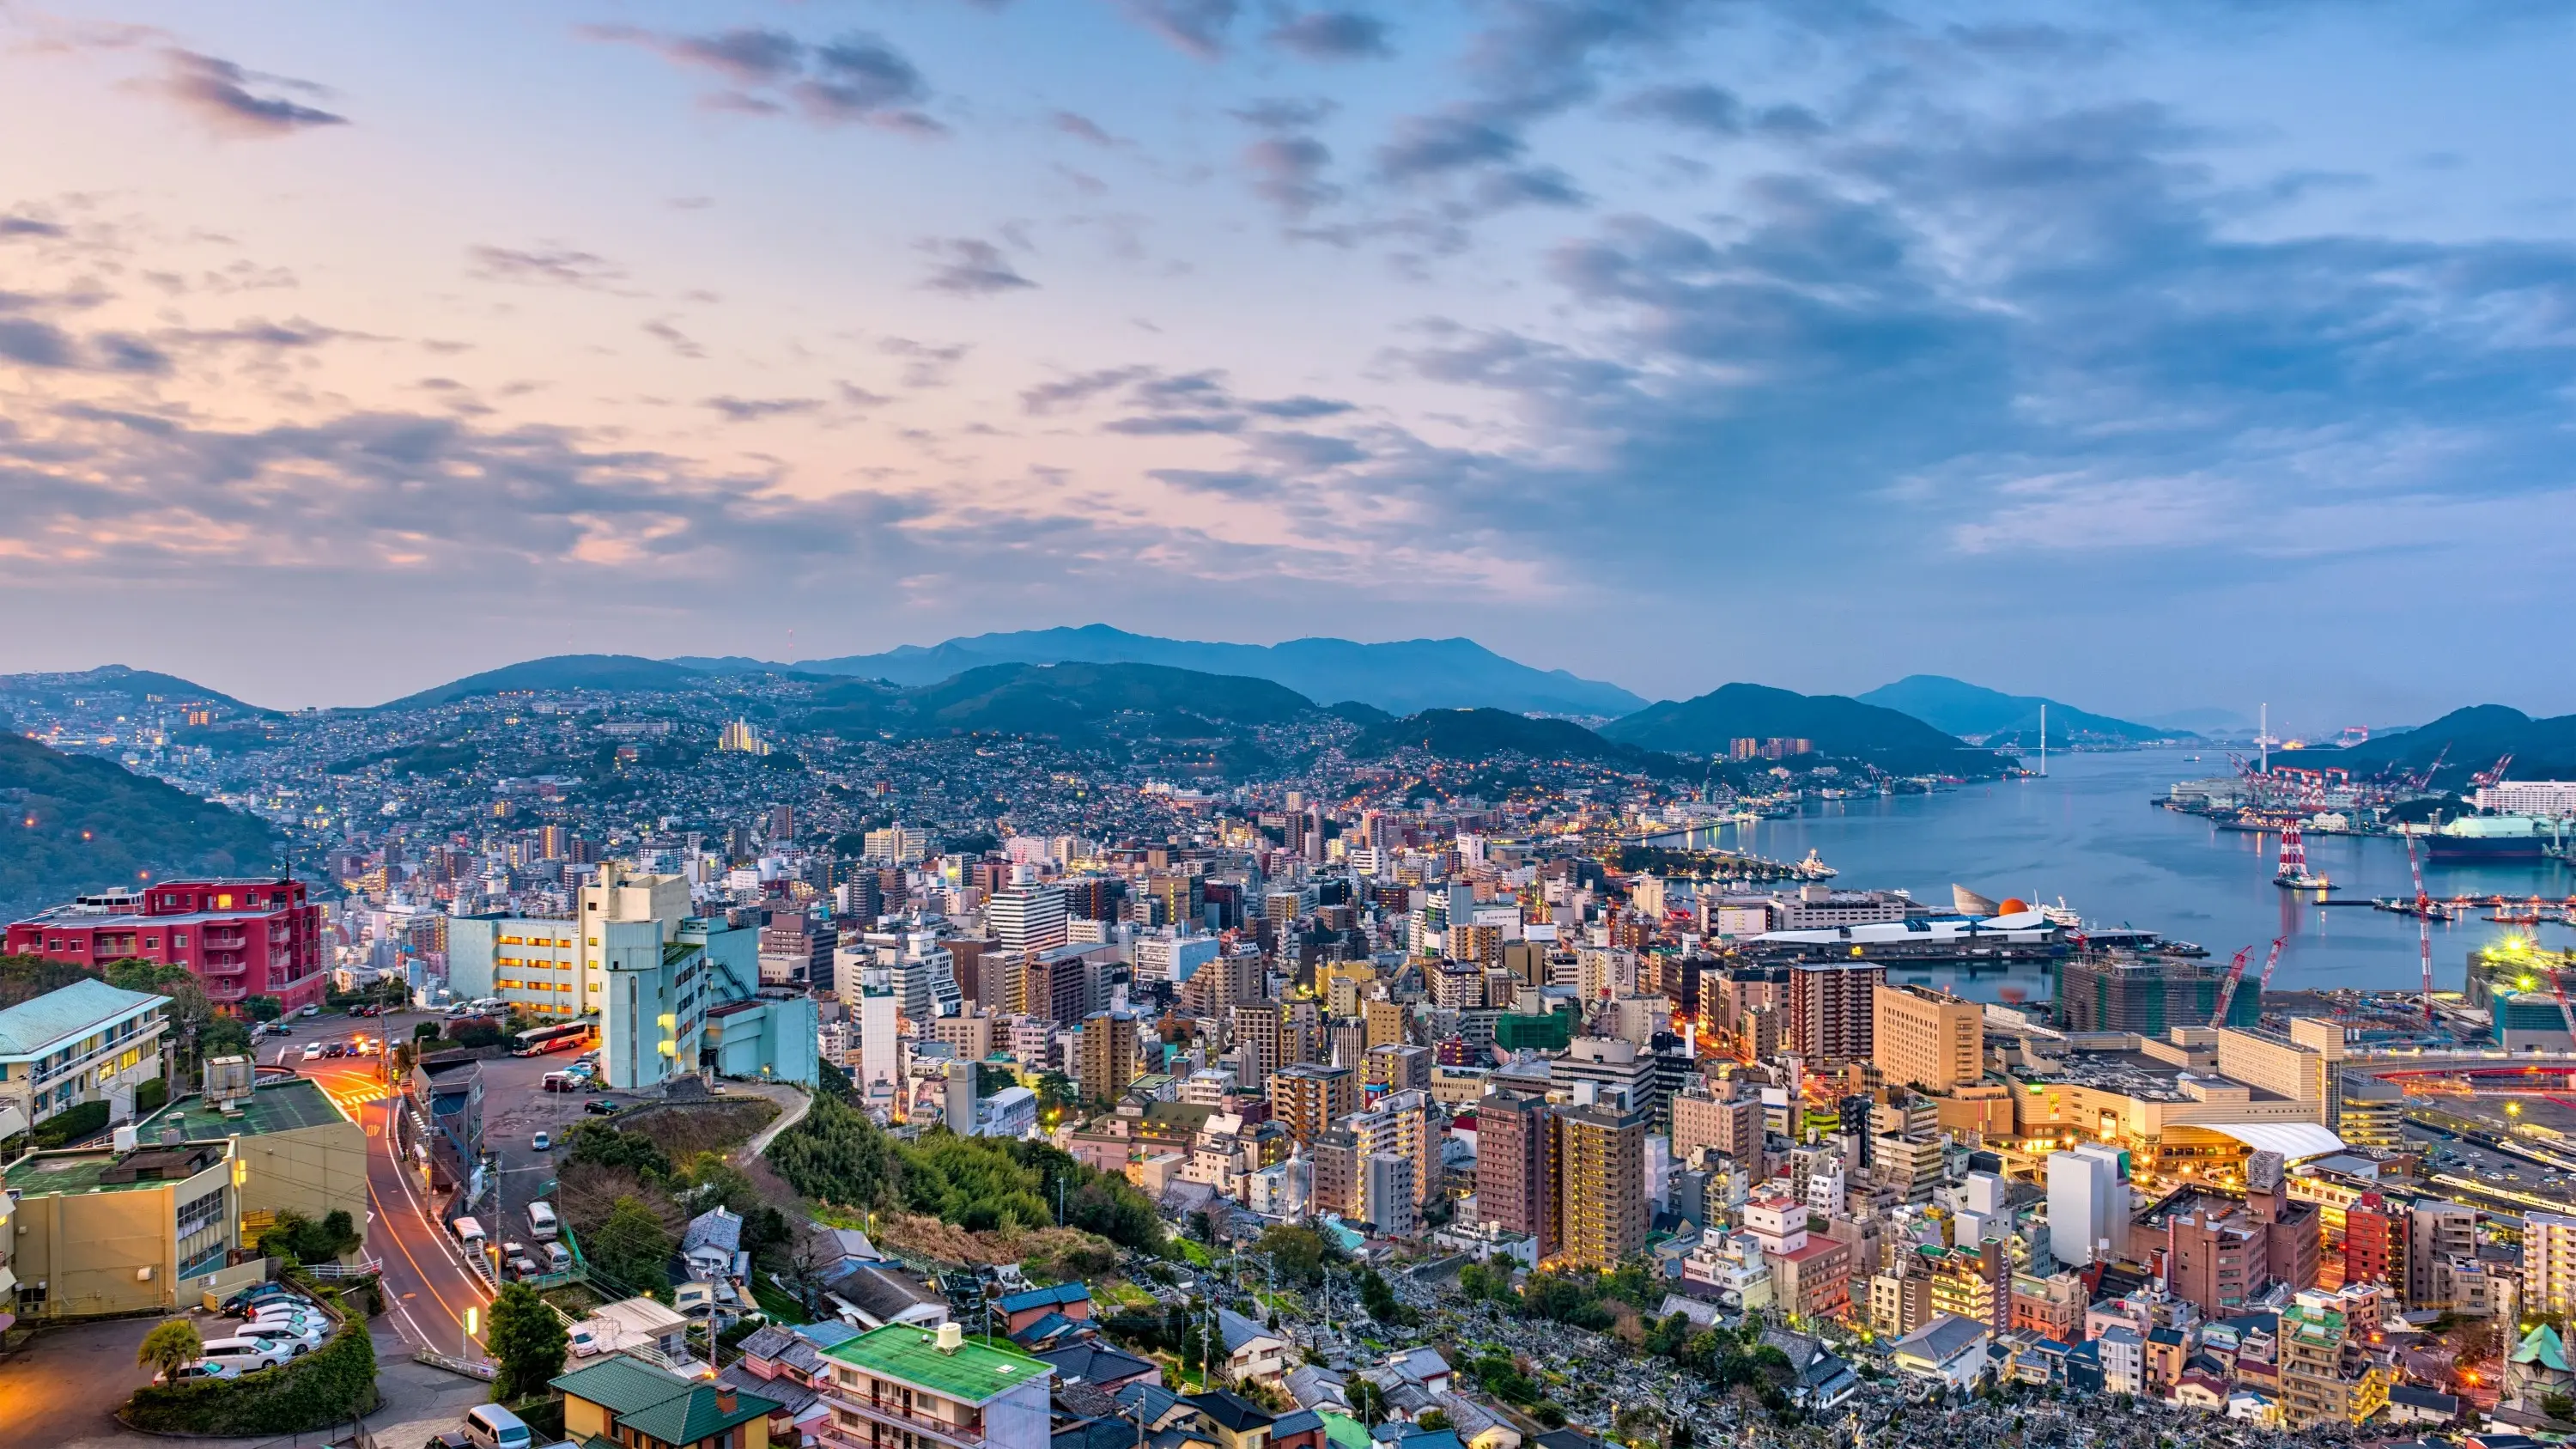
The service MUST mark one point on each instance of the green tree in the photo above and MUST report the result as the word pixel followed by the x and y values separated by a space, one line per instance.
pixel 526 1343
pixel 264 1008
pixel 224 1036
pixel 170 1347
pixel 631 1247
pixel 1297 1251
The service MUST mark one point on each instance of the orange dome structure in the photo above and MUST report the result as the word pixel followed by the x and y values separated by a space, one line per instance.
pixel 2013 905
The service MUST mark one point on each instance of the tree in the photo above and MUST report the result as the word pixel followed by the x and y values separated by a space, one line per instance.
pixel 170 1347
pixel 631 1247
pixel 1368 1401
pixel 526 1343
pixel 1433 1421
pixel 264 1008
pixel 1296 1250
pixel 224 1036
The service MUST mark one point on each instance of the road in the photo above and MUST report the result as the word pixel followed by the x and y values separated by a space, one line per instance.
pixel 428 1288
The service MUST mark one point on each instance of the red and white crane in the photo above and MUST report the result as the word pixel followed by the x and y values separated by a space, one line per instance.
pixel 2423 927
pixel 2236 973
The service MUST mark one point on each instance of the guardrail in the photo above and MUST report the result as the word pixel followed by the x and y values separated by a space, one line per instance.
pixel 472 1368
pixel 363 1268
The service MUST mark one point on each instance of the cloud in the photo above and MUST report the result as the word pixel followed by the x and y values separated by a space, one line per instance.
pixel 1430 145
pixel 1287 171
pixel 1081 128
pixel 672 337
pixel 218 93
pixel 1300 406
pixel 1196 26
pixel 858 78
pixel 1220 484
pixel 31 343
pixel 1307 451
pixel 1072 392
pixel 29 226
pixel 1698 106
pixel 1331 35
pixel 754 409
pixel 969 267
pixel 559 266
pixel 1283 114
pixel 925 364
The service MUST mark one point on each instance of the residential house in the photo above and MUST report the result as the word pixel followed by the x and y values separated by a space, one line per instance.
pixel 87 1042
pixel 1950 1350
pixel 779 1364
pixel 870 1297
pixel 1477 1426
pixel 1824 1381
pixel 1423 1366
pixel 1234 1421
pixel 628 1402
pixel 637 1323
pixel 1071 1301
pixel 1251 1351
pixel 1092 1362
pixel 709 1273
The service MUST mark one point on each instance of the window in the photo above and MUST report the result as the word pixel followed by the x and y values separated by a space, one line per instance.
pixel 224 902
pixel 151 943
pixel 178 938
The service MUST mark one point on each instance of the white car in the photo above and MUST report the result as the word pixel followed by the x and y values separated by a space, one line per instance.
pixel 312 1051
pixel 296 1340
pixel 541 1142
pixel 201 1369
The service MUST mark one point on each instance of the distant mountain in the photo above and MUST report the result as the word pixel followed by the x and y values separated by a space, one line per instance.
pixel 138 685
pixel 96 824
pixel 1990 716
pixel 560 671
pixel 1401 677
pixel 2476 737
pixel 2212 723
pixel 1836 725
pixel 1062 700
pixel 1480 734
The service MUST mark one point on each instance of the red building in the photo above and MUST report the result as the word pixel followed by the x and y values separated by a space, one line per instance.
pixel 2374 1241
pixel 241 938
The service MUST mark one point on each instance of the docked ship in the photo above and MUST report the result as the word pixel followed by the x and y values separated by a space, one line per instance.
pixel 2492 837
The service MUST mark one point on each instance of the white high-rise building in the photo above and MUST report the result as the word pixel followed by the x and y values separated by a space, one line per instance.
pixel 2088 1204
pixel 2548 1264
pixel 878 1072
pixel 1027 918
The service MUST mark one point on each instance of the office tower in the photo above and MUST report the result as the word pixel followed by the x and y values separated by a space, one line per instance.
pixel 1091 897
pixel 1727 1125
pixel 2088 1204
pixel 1108 1061
pixel 1613 1068
pixel 1600 1184
pixel 1027 918
pixel 1925 1038
pixel 782 824
pixel 1516 1167
pixel 1830 1012
pixel 1307 1097
pixel 1389 1199
pixel 1255 1029
pixel 897 844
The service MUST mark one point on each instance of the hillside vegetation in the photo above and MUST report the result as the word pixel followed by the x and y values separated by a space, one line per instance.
pixel 624 672
pixel 1837 726
pixel 1994 718
pixel 1064 700
pixel 1482 734
pixel 2476 737
pixel 70 824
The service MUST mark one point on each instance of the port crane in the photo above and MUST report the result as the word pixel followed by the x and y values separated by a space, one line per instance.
pixel 2236 973
pixel 2418 782
pixel 2491 776
pixel 2424 926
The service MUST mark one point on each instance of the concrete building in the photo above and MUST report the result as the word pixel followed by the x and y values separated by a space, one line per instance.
pixel 1831 1009
pixel 1516 1167
pixel 1027 918
pixel 1728 1126
pixel 1308 1097
pixel 239 938
pixel 1388 1195
pixel 1602 1214
pixel 87 1042
pixel 2088 1204
pixel 1925 1038
pixel 1108 1060
pixel 101 1232
pixel 2548 1265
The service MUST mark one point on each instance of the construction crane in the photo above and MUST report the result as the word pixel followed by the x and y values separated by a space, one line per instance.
pixel 2424 780
pixel 2271 959
pixel 2423 926
pixel 2491 776
pixel 2227 988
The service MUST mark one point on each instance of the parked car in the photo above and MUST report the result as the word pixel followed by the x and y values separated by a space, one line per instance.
pixel 298 1340
pixel 243 1355
pixel 582 1343
pixel 201 1369
pixel 257 1294
pixel 543 1141
pixel 558 1258
pixel 336 1049
pixel 600 1109
pixel 310 1011
pixel 312 1051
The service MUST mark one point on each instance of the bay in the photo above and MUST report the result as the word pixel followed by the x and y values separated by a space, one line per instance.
pixel 2087 833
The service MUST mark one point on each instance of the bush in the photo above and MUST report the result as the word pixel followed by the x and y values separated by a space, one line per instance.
pixel 71 1124
pixel 299 1239
pixel 324 1389
pixel 151 1097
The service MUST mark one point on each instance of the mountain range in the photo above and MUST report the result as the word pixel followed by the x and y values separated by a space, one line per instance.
pixel 1400 677
pixel 2467 742
pixel 1992 717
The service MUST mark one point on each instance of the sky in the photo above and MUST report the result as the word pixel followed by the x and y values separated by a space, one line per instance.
pixel 2151 356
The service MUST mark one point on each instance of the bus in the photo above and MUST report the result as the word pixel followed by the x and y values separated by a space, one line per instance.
pixel 536 1041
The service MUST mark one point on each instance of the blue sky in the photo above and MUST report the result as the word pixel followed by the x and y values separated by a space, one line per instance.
pixel 2150 356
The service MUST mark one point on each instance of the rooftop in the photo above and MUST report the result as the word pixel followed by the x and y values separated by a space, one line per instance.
pixel 33 1028
pixel 979 1370
pixel 275 1106
pixel 64 1174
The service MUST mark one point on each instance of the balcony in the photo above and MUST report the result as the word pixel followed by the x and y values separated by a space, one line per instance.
pixel 894 1415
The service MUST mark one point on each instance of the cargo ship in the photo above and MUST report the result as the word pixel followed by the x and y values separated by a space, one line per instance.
pixel 2492 837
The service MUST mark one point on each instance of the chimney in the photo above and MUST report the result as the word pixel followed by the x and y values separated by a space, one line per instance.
pixel 725 1401
pixel 951 1338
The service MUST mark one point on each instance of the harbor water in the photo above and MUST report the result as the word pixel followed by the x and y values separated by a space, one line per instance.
pixel 2088 833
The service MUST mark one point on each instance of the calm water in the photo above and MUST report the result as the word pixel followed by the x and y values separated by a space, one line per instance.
pixel 2088 834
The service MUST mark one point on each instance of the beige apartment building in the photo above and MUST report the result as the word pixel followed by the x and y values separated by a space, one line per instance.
pixel 1600 1185
pixel 1924 1038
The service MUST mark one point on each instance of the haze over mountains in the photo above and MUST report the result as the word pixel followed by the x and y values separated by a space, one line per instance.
pixel 1993 717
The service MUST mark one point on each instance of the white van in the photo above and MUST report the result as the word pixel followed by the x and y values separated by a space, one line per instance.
pixel 243 1355
pixel 558 1258
pixel 469 1233
pixel 541 1221
pixel 492 1427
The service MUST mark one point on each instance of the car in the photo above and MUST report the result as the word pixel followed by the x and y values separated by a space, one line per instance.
pixel 250 1298
pixel 600 1109
pixel 296 1341
pixel 201 1369
pixel 336 1049
pixel 541 1142
pixel 582 1342
pixel 312 1051
pixel 310 1011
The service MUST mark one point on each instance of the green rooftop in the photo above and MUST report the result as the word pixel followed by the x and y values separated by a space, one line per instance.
pixel 279 1106
pixel 981 1369
pixel 659 1403
pixel 65 1174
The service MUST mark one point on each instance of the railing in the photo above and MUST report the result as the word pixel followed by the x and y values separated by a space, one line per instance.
pixel 475 1368
pixel 895 1415
pixel 363 1268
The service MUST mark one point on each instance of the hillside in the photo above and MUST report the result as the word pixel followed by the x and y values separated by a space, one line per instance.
pixel 560 671
pixel 1838 726
pixel 1064 700
pixel 135 685
pixel 1481 734
pixel 2477 737
pixel 1983 715
pixel 1401 677
pixel 133 824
